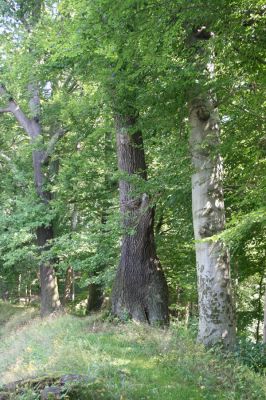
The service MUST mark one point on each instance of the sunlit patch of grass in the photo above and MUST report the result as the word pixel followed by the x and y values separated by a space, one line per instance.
pixel 131 361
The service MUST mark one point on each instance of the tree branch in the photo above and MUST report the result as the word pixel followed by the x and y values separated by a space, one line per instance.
pixel 5 110
pixel 52 143
pixel 13 108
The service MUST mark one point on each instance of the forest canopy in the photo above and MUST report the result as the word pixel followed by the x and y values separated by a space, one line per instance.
pixel 132 159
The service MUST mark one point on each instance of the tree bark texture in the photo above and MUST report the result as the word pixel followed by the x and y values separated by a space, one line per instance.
pixel 140 289
pixel 216 308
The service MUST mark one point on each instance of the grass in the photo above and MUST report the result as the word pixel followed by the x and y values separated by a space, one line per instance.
pixel 7 310
pixel 13 316
pixel 129 361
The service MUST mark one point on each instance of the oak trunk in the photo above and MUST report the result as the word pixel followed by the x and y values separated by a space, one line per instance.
pixel 140 289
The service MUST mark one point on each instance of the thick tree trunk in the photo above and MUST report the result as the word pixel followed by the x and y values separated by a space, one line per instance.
pixel 140 289
pixel 216 309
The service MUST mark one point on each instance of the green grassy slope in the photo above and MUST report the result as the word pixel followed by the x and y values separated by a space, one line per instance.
pixel 130 361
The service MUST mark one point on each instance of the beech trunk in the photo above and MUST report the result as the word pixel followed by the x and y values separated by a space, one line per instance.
pixel 216 308
pixel 140 289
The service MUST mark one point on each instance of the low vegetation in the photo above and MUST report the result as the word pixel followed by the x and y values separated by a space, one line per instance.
pixel 121 361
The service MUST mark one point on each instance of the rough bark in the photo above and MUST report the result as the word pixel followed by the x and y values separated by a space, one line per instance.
pixel 216 309
pixel 140 290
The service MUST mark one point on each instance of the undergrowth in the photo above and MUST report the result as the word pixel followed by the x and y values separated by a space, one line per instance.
pixel 128 361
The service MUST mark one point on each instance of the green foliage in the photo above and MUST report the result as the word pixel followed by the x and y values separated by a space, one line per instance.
pixel 252 354
pixel 92 59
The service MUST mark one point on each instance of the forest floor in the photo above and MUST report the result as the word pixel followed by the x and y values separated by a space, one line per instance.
pixel 120 361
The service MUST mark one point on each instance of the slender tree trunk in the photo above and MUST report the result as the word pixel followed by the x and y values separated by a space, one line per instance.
pixel 186 314
pixel 140 290
pixel 69 285
pixel 19 287
pixel 216 309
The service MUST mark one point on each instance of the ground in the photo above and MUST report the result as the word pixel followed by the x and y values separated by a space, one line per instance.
pixel 121 361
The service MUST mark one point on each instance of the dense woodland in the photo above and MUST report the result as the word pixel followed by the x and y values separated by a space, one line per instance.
pixel 132 160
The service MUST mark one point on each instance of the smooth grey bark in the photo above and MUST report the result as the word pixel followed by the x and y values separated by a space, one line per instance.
pixel 49 290
pixel 216 307
pixel 140 289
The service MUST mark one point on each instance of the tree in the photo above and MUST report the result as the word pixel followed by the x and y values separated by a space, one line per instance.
pixel 28 16
pixel 140 289
pixel 49 291
pixel 216 309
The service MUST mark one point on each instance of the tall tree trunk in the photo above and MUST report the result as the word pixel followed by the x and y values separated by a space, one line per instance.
pixel 216 309
pixel 140 289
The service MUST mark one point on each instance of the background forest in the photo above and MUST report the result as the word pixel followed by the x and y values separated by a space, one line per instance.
pixel 111 114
